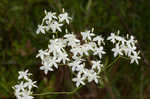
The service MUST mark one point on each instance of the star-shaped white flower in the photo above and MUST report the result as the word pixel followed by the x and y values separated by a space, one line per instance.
pixel 87 35
pixel 96 65
pixel 64 17
pixel 93 77
pixel 19 87
pixel 46 68
pixel 112 38
pixel 63 57
pixel 55 26
pixel 42 54
pixel 134 58
pixel 99 40
pixel 41 29
pixel 30 84
pixel 72 40
pixel 49 16
pixel 99 51
pixel 24 74
pixel 117 50
pixel 26 95
pixel 79 80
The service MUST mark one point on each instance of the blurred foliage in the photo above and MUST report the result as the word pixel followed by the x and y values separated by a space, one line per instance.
pixel 19 45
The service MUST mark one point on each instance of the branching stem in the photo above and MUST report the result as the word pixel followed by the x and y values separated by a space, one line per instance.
pixel 58 93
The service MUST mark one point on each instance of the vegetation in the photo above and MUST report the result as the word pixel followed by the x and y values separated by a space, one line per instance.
pixel 19 44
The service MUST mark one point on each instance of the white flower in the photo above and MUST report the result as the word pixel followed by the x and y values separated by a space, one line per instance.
pixel 49 16
pixel 51 61
pixel 64 17
pixel 87 35
pixel 129 49
pixel 99 51
pixel 80 68
pixel 56 46
pixel 55 26
pixel 24 89
pixel 63 57
pixel 72 40
pixel 84 49
pixel 96 65
pixel 46 68
pixel 125 46
pixel 135 58
pixel 76 50
pixel 40 29
pixel 19 87
pixel 117 50
pixel 75 64
pixel 26 95
pixel 132 41
pixel 24 74
pixel 79 80
pixel 99 40
pixel 93 77
pixel 88 46
pixel 30 84
pixel 112 38
pixel 42 54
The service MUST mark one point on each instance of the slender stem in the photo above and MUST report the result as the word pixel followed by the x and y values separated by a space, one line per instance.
pixel 108 66
pixel 56 34
pixel 56 93
pixel 112 62
pixel 125 57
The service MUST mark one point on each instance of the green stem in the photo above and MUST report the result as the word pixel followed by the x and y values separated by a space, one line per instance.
pixel 112 62
pixel 107 67
pixel 56 93
pixel 56 34
pixel 125 57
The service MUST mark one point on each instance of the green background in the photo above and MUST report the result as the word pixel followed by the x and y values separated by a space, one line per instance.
pixel 19 45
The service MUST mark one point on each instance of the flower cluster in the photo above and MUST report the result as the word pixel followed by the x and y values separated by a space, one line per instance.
pixel 53 55
pixel 23 90
pixel 75 58
pixel 53 22
pixel 124 46
pixel 85 69
pixel 83 56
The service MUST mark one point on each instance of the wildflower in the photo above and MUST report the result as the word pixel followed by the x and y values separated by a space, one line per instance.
pixel 46 68
pixel 125 46
pixel 23 90
pixel 42 54
pixel 55 26
pixel 19 87
pixel 63 57
pixel 87 35
pixel 135 58
pixel 112 38
pixel 53 22
pixel 96 65
pixel 29 84
pixel 117 50
pixel 76 63
pixel 64 17
pixel 99 40
pixel 99 51
pixel 50 15
pixel 79 80
pixel 72 40
pixel 93 77
pixel 40 29
pixel 24 74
